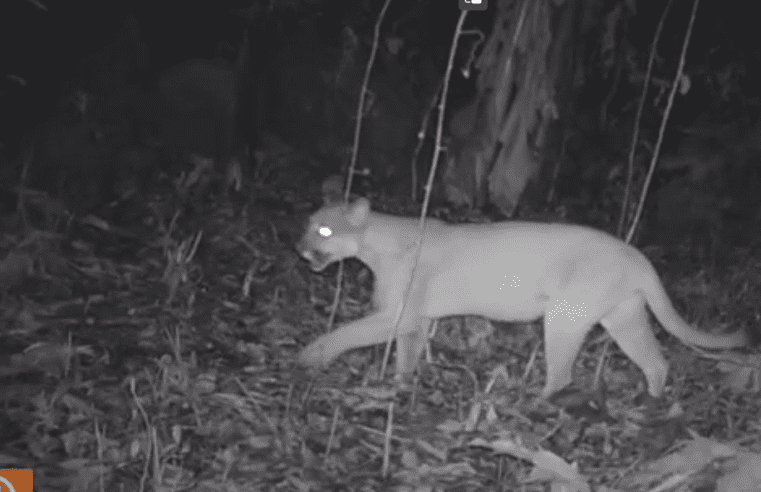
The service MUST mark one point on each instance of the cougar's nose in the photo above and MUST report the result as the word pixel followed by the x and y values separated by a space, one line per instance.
pixel 303 251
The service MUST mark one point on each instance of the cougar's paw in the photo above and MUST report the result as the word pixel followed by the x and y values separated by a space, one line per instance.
pixel 315 355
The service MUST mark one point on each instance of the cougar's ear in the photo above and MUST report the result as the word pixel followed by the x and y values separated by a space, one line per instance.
pixel 332 199
pixel 358 211
pixel 332 188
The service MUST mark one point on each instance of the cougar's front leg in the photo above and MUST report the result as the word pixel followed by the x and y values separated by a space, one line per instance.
pixel 410 346
pixel 363 332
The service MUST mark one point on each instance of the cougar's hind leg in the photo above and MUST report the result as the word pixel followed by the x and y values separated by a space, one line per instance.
pixel 583 298
pixel 629 325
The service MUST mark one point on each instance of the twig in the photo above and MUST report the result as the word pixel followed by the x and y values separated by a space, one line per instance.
pixel 420 141
pixel 387 440
pixel 21 199
pixel 361 104
pixel 355 149
pixel 654 159
pixel 638 119
pixel 38 5
pixel 336 297
pixel 147 422
pixel 661 132
pixel 332 437
pixel 428 187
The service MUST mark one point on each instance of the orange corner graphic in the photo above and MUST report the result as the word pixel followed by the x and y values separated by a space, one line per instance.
pixel 13 480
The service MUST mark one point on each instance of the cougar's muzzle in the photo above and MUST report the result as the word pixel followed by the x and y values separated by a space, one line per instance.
pixel 318 260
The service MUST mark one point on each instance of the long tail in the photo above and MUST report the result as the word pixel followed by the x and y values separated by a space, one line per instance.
pixel 667 316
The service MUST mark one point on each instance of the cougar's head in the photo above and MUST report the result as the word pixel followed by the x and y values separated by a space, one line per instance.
pixel 334 233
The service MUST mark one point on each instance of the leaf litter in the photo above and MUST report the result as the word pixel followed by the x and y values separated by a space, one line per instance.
pixel 164 359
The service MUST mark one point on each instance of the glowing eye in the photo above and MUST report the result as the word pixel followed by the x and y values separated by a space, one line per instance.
pixel 325 231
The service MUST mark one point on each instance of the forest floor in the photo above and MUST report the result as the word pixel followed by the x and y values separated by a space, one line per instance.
pixel 162 356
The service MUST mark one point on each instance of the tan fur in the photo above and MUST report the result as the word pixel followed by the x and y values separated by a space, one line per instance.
pixel 332 188
pixel 573 276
